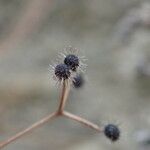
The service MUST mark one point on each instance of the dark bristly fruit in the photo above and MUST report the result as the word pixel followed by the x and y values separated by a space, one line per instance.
pixel 62 71
pixel 72 61
pixel 112 132
pixel 78 81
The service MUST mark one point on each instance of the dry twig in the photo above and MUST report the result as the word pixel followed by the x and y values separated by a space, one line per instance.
pixel 59 112
pixel 62 72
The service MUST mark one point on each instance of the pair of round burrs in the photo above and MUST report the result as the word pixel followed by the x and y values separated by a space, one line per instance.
pixel 70 68
pixel 63 70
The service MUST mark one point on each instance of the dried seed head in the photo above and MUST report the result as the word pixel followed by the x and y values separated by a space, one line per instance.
pixel 112 132
pixel 72 61
pixel 62 71
pixel 78 81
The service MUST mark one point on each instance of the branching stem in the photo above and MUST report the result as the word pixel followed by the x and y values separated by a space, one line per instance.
pixel 59 112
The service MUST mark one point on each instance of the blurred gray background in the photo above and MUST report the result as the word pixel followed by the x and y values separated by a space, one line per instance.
pixel 114 35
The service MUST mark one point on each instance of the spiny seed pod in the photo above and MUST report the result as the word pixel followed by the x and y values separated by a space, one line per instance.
pixel 112 132
pixel 78 81
pixel 72 61
pixel 62 71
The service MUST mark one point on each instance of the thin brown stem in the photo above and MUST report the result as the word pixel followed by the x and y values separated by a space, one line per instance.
pixel 64 95
pixel 82 121
pixel 59 112
pixel 29 129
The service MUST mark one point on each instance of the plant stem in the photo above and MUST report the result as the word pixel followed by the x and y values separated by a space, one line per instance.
pixel 82 121
pixel 64 95
pixel 59 112
pixel 29 129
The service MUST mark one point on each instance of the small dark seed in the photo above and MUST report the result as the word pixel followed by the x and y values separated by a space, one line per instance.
pixel 72 61
pixel 112 132
pixel 78 81
pixel 62 71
